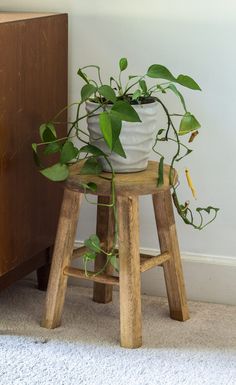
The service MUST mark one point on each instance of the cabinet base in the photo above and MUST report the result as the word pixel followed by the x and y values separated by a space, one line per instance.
pixel 40 262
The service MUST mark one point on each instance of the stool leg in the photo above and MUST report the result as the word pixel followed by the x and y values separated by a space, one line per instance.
pixel 173 273
pixel 130 296
pixel 61 257
pixel 102 293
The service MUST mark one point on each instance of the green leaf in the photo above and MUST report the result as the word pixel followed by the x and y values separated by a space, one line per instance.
pixel 93 243
pixel 82 75
pixel 160 179
pixel 52 148
pixel 35 155
pixel 87 90
pixel 173 88
pixel 116 124
pixel 92 186
pixel 48 136
pixel 125 111
pixel 91 167
pixel 118 149
pixel 69 152
pixel 89 148
pixel 117 86
pixel 52 128
pixel 89 186
pixel 89 256
pixel 123 64
pixel 143 85
pixel 106 128
pixel 34 147
pixel 56 173
pixel 108 93
pixel 160 72
pixel 161 131
pixel 113 262
pixel 136 94
pixel 162 89
pixel 188 123
pixel 47 132
pixel 133 76
pixel 188 82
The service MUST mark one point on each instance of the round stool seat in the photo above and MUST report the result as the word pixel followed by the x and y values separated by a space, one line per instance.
pixel 136 183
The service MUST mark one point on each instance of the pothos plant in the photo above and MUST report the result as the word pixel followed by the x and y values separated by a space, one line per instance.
pixel 114 104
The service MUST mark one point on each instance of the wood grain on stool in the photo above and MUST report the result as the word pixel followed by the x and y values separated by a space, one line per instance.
pixel 61 257
pixel 105 231
pixel 130 295
pixel 127 184
pixel 132 263
pixel 173 273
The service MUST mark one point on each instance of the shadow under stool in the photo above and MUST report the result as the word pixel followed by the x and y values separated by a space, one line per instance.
pixel 128 188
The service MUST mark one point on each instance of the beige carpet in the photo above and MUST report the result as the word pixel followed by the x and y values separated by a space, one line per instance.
pixel 85 349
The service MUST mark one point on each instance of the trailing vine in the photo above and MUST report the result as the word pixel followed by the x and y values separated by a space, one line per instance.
pixel 114 104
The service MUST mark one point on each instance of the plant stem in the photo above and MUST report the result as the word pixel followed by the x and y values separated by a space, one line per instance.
pixel 98 69
pixel 129 88
pixel 64 109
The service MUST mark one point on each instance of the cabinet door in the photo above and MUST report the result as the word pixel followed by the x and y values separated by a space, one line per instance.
pixel 33 87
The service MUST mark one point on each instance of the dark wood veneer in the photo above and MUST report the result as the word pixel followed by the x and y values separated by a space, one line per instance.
pixel 33 87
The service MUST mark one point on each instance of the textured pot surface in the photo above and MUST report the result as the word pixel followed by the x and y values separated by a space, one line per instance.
pixel 136 138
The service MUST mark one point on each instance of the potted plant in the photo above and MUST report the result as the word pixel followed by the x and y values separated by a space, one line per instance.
pixel 122 121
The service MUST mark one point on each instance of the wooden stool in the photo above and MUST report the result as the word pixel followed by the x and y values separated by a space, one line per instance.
pixel 128 189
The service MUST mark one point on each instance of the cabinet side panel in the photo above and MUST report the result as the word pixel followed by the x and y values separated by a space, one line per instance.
pixel 33 79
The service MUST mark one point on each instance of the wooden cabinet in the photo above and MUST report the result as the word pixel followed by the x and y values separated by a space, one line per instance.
pixel 33 88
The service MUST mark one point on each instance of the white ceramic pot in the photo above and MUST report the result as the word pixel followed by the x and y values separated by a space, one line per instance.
pixel 136 138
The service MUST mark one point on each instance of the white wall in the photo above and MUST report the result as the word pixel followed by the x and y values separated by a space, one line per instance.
pixel 188 36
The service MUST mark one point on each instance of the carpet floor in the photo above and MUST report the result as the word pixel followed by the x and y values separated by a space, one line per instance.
pixel 85 349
